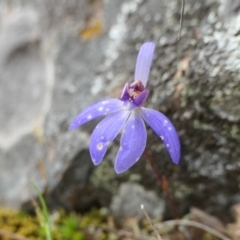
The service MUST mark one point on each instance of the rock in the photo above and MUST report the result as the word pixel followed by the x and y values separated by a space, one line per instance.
pixel 196 84
pixel 127 203
pixel 23 77
pixel 47 67
pixel 56 59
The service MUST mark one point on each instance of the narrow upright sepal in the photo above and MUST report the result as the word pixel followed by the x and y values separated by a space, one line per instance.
pixel 144 62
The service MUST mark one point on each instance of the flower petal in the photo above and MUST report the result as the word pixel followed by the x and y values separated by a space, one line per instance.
pixel 105 132
pixel 162 126
pixel 125 95
pixel 133 142
pixel 96 110
pixel 144 61
pixel 141 98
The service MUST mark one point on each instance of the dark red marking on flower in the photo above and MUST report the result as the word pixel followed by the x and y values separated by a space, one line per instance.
pixel 135 89
pixel 134 93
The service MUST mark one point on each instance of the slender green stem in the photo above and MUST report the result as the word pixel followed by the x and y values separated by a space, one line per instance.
pixel 44 212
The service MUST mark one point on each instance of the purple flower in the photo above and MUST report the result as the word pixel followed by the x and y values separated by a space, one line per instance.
pixel 128 115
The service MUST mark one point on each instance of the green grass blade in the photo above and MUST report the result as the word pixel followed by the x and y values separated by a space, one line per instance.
pixel 44 213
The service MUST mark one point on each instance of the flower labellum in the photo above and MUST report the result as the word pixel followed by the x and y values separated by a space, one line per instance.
pixel 128 115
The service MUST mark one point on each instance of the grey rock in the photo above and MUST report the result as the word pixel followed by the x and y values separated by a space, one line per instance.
pixel 23 93
pixel 49 72
pixel 128 201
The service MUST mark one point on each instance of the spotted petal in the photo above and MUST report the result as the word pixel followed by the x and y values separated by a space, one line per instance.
pixel 162 126
pixel 133 142
pixel 105 132
pixel 144 61
pixel 97 110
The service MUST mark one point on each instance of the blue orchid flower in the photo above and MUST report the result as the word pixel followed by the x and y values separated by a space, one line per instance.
pixel 127 115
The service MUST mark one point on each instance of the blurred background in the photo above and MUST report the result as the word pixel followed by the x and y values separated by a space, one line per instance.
pixel 59 56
